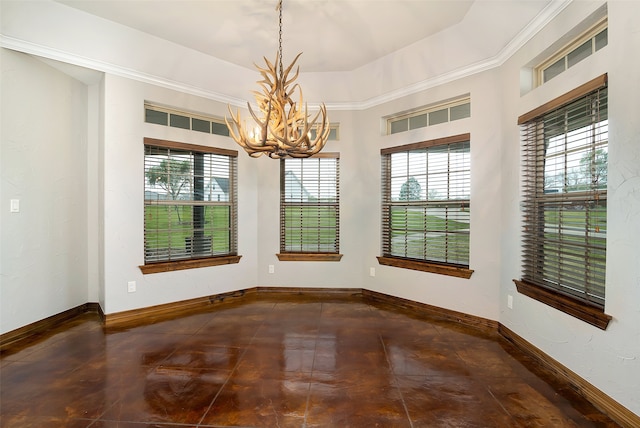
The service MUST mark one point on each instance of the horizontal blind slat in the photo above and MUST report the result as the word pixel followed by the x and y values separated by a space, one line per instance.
pixel 564 188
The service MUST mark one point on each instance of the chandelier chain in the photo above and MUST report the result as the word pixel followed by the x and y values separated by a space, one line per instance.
pixel 280 38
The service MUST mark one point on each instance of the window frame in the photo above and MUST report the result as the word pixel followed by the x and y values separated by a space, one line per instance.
pixel 231 257
pixel 424 265
pixel 306 255
pixel 532 283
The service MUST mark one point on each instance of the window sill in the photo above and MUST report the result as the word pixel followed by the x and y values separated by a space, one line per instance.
pixel 566 304
pixel 188 264
pixel 456 271
pixel 309 257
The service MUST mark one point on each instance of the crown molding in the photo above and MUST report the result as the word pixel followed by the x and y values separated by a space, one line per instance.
pixel 114 69
pixel 542 19
pixel 527 33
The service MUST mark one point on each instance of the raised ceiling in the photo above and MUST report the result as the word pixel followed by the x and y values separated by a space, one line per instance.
pixel 334 35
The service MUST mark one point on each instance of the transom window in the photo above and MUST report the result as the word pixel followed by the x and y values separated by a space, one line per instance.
pixel 190 208
pixel 186 120
pixel 584 46
pixel 310 208
pixel 426 205
pixel 429 116
pixel 565 150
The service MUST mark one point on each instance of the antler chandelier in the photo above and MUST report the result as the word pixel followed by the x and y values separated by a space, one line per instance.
pixel 284 128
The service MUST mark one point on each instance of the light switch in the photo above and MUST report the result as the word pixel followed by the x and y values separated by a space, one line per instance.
pixel 15 205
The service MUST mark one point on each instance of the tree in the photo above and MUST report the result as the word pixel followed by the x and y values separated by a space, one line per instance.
pixel 591 173
pixel 410 190
pixel 171 175
pixel 594 167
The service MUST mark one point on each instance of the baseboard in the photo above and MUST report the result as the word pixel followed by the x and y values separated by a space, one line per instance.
pixel 151 313
pixel 484 324
pixel 311 292
pixel 22 333
pixel 599 399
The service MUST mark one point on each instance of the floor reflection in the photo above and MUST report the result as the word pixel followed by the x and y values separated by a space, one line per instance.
pixel 282 360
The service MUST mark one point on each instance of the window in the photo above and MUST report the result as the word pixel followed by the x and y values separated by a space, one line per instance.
pixel 590 42
pixel 429 116
pixel 310 208
pixel 565 151
pixel 425 206
pixel 167 116
pixel 185 120
pixel 334 132
pixel 190 217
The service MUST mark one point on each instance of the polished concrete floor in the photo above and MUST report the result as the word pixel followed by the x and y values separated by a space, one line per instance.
pixel 270 361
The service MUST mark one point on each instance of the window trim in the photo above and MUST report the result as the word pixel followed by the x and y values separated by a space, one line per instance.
pixel 196 262
pixel 590 314
pixel 449 269
pixel 570 305
pixel 426 266
pixel 580 91
pixel 309 256
pixel 188 264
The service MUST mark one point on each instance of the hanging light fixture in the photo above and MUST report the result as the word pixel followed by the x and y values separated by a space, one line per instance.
pixel 284 130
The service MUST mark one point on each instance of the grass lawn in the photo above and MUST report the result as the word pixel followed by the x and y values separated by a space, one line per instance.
pixel 169 226
pixel 423 236
pixel 310 228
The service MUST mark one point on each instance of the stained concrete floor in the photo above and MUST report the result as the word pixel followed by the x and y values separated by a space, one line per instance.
pixel 282 361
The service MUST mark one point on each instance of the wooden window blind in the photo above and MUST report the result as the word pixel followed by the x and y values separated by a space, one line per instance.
pixel 425 201
pixel 310 204
pixel 190 201
pixel 565 153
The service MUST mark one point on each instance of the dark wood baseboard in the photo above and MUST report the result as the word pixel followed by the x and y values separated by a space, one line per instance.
pixel 29 330
pixel 484 324
pixel 153 313
pixel 599 399
pixel 311 292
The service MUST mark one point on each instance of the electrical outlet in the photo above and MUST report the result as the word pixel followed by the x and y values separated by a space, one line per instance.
pixel 510 301
pixel 372 271
pixel 272 269
pixel 131 286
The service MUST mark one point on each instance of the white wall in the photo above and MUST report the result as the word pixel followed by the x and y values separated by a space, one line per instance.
pixel 609 359
pixel 123 213
pixel 479 294
pixel 347 273
pixel 43 256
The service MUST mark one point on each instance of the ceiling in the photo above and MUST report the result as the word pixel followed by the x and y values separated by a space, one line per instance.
pixel 334 35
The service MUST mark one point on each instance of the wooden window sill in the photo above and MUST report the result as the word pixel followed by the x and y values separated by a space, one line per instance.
pixel 566 304
pixel 424 266
pixel 188 264
pixel 309 257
